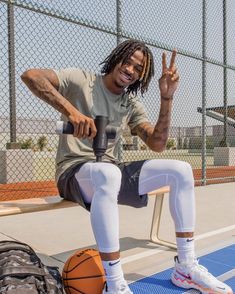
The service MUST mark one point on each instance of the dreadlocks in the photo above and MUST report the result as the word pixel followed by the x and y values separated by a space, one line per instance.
pixel 121 54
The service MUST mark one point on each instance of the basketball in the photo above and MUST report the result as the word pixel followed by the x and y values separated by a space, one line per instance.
pixel 83 273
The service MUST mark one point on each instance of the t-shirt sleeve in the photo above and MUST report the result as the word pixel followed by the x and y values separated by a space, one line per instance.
pixel 70 79
pixel 138 114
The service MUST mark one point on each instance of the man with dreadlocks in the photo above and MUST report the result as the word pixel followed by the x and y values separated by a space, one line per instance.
pixel 99 186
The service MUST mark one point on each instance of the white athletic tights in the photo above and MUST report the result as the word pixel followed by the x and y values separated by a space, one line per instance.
pixel 100 183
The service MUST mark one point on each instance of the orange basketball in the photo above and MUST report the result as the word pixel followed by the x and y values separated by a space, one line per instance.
pixel 83 273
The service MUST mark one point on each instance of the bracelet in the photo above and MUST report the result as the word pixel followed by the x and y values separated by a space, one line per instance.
pixel 166 98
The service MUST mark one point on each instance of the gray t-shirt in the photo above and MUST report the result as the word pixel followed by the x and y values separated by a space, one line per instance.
pixel 87 92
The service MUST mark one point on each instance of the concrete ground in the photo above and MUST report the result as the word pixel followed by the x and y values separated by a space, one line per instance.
pixel 56 234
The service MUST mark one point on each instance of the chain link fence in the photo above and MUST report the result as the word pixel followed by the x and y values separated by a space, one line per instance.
pixel 76 33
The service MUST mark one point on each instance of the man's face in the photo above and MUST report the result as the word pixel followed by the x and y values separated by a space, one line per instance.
pixel 129 72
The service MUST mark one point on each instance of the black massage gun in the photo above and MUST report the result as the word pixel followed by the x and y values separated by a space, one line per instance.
pixel 100 141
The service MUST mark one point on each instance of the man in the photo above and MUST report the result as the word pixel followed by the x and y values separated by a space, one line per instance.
pixel 99 186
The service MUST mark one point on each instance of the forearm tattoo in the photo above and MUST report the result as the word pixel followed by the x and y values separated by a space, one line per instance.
pixel 144 131
pixel 161 129
pixel 43 89
pixel 158 135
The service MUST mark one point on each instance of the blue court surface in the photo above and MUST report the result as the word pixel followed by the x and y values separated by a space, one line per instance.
pixel 220 263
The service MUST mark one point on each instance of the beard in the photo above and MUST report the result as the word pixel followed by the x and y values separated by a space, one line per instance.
pixel 119 85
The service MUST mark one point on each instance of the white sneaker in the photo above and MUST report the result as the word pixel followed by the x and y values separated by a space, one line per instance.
pixel 123 289
pixel 197 277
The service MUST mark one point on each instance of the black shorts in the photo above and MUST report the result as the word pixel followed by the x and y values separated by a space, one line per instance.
pixel 128 195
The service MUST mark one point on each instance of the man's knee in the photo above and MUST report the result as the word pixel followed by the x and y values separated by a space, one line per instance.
pixel 183 171
pixel 106 174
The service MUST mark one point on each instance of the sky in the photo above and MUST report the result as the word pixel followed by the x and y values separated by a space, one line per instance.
pixel 42 41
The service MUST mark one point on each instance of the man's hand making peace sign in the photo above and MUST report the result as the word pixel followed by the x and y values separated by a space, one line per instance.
pixel 169 80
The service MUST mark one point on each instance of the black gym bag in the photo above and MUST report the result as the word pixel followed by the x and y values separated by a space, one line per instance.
pixel 22 272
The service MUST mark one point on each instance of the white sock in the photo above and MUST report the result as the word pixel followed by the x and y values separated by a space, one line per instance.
pixel 114 274
pixel 185 249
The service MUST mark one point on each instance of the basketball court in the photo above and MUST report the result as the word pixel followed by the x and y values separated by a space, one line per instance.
pixel 57 234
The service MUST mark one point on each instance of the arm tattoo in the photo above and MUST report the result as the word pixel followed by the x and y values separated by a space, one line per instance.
pixel 161 129
pixel 43 89
pixel 144 130
pixel 156 137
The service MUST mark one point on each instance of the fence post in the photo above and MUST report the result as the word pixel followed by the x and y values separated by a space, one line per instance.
pixel 11 60
pixel 118 21
pixel 225 141
pixel 119 30
pixel 203 179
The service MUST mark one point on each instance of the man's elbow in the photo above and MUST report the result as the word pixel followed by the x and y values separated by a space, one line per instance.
pixel 28 75
pixel 158 147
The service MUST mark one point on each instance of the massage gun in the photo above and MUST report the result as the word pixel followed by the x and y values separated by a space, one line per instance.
pixel 100 141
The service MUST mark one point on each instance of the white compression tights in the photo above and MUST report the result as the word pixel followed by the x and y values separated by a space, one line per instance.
pixel 100 183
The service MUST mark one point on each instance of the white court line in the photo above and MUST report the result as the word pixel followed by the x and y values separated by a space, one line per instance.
pixel 220 231
pixel 222 278
pixel 156 251
pixel 227 275
pixel 142 255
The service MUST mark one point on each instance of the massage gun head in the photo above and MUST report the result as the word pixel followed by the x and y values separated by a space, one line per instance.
pixel 104 132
